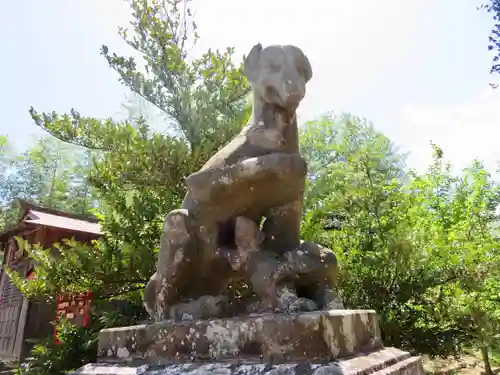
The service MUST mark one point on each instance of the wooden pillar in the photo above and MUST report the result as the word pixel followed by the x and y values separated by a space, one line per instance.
pixel 23 313
pixel 21 323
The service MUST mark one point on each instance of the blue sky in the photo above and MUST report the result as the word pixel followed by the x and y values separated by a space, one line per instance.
pixel 417 68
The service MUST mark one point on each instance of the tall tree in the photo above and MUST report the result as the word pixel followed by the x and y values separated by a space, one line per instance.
pixel 140 176
pixel 349 165
pixel 362 205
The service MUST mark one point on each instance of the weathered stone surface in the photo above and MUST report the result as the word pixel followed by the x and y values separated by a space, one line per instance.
pixel 110 369
pixel 388 361
pixel 316 269
pixel 271 277
pixel 204 307
pixel 317 335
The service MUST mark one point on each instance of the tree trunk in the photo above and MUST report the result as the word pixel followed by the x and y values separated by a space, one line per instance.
pixel 486 360
pixel 477 318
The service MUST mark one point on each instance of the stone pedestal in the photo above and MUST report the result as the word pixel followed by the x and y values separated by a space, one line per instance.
pixel 319 343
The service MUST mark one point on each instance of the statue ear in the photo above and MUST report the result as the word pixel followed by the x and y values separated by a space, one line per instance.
pixel 307 68
pixel 247 234
pixel 251 63
pixel 302 62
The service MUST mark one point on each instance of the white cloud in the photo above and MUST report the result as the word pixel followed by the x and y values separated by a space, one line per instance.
pixel 464 131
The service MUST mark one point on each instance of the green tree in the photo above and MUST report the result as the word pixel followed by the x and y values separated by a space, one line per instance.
pixel 460 220
pixel 493 7
pixel 333 143
pixel 50 173
pixel 362 205
pixel 140 175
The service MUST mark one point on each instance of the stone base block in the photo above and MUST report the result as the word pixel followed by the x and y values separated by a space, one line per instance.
pixel 273 338
pixel 388 361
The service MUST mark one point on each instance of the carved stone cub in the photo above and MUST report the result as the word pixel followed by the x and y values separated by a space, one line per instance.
pixel 263 270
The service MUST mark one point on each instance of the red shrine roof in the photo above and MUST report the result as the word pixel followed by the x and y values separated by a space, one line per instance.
pixel 34 215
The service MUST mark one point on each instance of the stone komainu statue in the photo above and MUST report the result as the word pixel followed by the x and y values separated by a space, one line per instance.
pixel 258 176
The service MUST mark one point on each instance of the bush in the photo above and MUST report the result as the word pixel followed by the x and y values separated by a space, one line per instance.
pixel 78 345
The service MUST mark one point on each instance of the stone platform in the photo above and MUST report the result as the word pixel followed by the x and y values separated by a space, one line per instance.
pixel 317 335
pixel 313 343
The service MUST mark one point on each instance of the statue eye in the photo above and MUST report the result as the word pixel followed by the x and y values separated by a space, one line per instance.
pixel 273 67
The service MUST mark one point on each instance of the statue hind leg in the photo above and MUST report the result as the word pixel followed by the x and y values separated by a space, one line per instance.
pixel 177 253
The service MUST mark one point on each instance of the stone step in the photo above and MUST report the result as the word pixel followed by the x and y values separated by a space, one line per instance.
pixel 371 362
pixel 409 366
pixel 387 361
pixel 273 337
